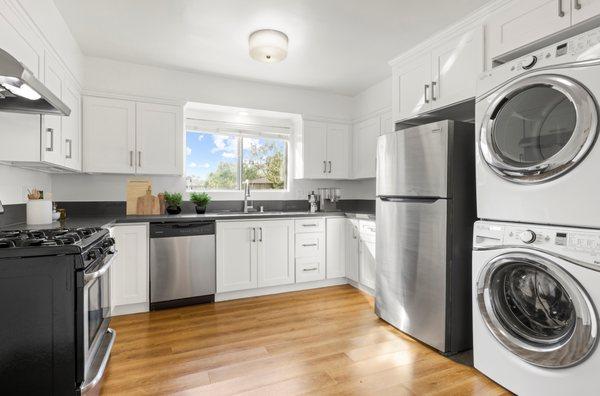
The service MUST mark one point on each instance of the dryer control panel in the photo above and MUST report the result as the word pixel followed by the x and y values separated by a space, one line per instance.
pixel 575 243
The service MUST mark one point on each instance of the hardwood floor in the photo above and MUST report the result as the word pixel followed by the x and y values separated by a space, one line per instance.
pixel 321 342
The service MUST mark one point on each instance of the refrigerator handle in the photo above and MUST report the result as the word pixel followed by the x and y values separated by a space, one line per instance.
pixel 410 199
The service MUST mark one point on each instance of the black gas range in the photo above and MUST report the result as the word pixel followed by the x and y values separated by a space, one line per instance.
pixel 54 309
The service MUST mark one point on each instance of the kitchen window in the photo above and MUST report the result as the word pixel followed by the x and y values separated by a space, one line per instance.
pixel 222 160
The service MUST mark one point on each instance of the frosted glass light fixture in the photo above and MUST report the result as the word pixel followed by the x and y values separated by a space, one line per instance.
pixel 268 45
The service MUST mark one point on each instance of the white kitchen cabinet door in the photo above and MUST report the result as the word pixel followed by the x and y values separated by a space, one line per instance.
pixel 456 65
pixel 52 125
pixel 108 135
pixel 386 123
pixel 584 9
pixel 338 139
pixel 411 89
pixel 336 247
pixel 367 264
pixel 310 269
pixel 314 149
pixel 236 256
pixel 71 128
pixel 364 158
pixel 352 240
pixel 275 244
pixel 19 40
pixel 129 274
pixel 522 22
pixel 159 139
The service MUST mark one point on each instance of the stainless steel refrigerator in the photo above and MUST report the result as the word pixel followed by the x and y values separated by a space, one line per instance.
pixel 425 214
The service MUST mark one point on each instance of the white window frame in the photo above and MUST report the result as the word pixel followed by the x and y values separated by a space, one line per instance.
pixel 241 131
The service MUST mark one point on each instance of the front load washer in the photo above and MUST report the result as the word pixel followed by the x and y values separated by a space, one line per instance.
pixel 538 155
pixel 536 290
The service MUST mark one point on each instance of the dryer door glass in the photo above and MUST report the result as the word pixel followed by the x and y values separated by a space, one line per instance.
pixel 537 310
pixel 538 128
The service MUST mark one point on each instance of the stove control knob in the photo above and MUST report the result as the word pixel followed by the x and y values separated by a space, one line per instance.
pixel 108 242
pixel 527 236
pixel 92 255
pixel 529 61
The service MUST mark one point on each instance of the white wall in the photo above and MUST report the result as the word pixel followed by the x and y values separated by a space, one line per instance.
pixel 15 182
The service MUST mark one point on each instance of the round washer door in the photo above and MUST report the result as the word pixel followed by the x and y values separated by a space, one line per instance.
pixel 537 310
pixel 538 128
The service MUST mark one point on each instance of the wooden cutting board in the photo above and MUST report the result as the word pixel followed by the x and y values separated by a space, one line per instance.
pixel 136 189
pixel 148 204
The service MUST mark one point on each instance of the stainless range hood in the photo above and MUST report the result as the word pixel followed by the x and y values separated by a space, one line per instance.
pixel 21 92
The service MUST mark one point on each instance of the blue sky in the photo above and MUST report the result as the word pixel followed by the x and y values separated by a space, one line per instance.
pixel 204 151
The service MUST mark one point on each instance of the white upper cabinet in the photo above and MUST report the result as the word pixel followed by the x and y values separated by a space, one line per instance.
pixel 456 65
pixel 123 136
pixel 52 128
pixel 364 158
pixel 442 76
pixel 522 22
pixel 108 135
pixel 71 128
pixel 159 139
pixel 324 151
pixel 584 9
pixel 19 41
pixel 411 88
pixel 386 123
pixel 337 151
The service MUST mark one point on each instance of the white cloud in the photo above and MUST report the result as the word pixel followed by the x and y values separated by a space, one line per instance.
pixel 188 151
pixel 225 145
pixel 227 154
pixel 192 165
pixel 200 137
pixel 205 165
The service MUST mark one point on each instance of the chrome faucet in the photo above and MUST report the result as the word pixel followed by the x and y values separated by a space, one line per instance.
pixel 247 208
pixel 1 208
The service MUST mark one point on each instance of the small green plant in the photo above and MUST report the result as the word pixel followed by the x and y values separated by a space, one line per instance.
pixel 200 199
pixel 173 199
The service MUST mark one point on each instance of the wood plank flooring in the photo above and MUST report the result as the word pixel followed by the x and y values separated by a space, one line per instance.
pixel 320 342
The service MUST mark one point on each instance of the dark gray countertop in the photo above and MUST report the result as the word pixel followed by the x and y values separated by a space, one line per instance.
pixel 105 221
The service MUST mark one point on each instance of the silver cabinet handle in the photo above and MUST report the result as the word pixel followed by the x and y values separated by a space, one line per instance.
pixel 70 143
pixel 425 88
pixel 51 132
pixel 308 244
pixel 577 5
pixel 353 232
pixel 131 158
pixel 309 225
pixel 561 13
pixel 324 166
pixel 260 238
pixel 253 234
pixel 329 166
pixel 140 158
pixel 310 269
pixel 433 84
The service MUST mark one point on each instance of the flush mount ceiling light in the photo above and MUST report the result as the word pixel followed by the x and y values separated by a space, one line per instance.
pixel 268 45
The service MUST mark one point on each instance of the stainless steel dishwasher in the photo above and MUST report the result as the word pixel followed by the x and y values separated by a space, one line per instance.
pixel 182 263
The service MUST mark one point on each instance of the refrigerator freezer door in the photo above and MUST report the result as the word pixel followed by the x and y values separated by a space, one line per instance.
pixel 423 161
pixel 411 267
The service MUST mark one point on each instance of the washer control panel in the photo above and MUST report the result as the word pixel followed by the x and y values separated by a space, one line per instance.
pixel 576 243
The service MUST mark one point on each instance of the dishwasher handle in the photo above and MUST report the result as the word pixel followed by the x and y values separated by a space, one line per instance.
pixel 177 229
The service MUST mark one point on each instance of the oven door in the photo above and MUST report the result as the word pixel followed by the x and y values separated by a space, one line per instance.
pixel 97 337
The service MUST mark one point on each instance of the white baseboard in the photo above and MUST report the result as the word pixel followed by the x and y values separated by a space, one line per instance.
pixel 129 309
pixel 264 291
pixel 361 287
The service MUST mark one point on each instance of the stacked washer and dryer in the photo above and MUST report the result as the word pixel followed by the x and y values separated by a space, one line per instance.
pixel 536 251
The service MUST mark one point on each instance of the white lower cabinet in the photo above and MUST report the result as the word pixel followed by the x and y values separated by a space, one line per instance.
pixel 351 235
pixel 310 250
pixel 367 256
pixel 336 247
pixel 129 274
pixel 253 254
pixel 310 269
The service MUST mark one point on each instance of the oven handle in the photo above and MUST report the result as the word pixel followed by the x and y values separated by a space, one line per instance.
pixel 98 273
pixel 102 368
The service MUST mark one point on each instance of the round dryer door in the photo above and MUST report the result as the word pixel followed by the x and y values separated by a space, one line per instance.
pixel 537 310
pixel 538 128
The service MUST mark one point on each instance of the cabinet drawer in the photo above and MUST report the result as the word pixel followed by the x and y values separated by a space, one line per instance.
pixel 309 269
pixel 310 225
pixel 310 245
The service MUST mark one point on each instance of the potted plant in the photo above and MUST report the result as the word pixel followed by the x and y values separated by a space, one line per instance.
pixel 200 200
pixel 173 202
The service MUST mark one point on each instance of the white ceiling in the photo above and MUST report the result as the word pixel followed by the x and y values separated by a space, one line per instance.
pixel 340 46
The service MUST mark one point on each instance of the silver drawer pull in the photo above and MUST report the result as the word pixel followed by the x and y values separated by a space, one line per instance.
pixel 309 225
pixel 310 269
pixel 51 132
pixel 309 244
